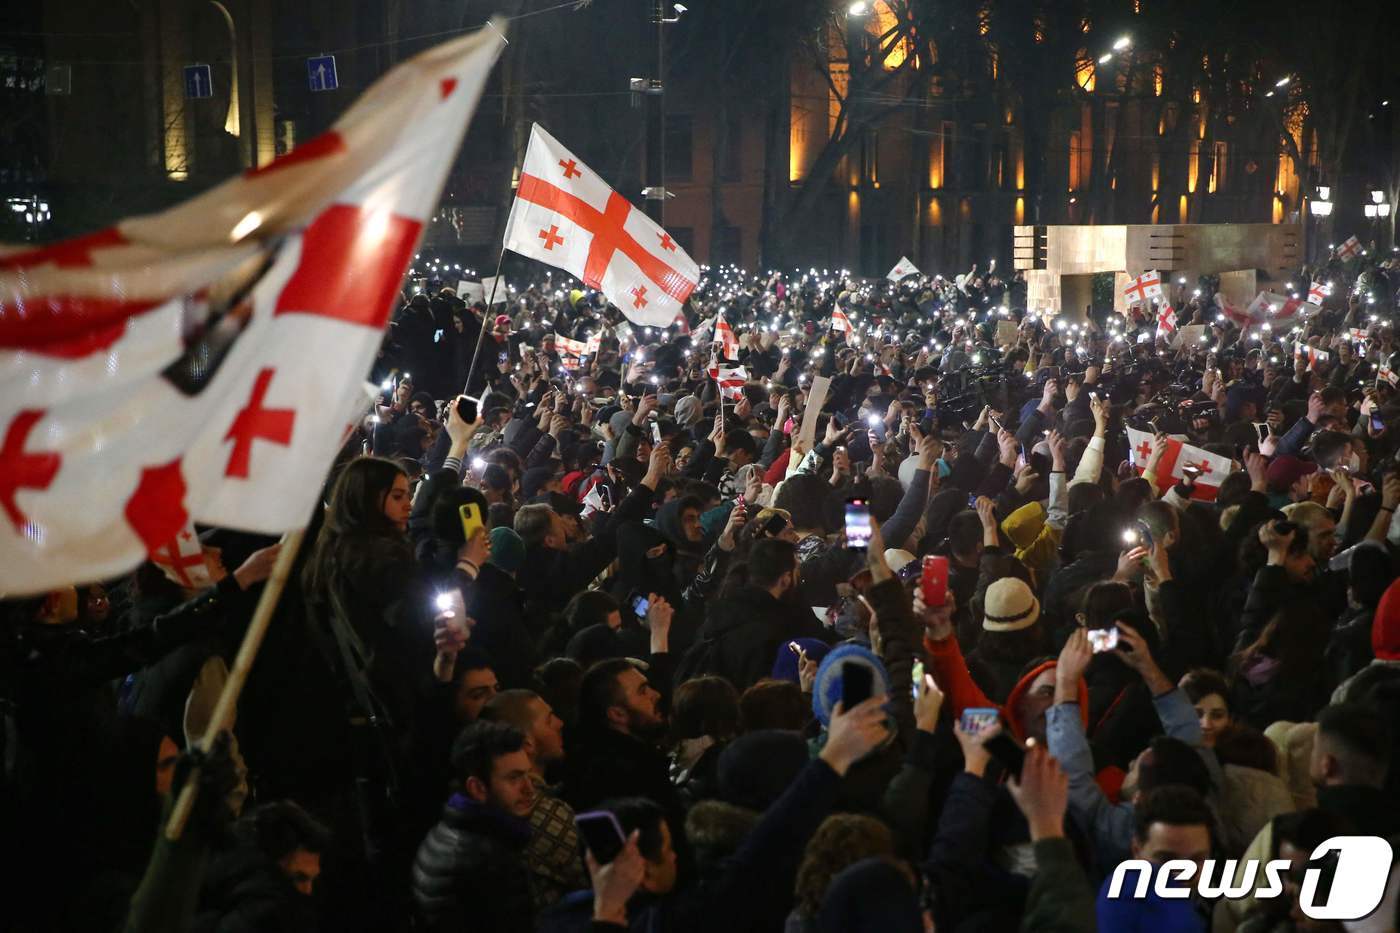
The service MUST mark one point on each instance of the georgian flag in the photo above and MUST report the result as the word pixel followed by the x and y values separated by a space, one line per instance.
pixel 1317 293
pixel 731 380
pixel 1313 354
pixel 1271 307
pixel 1350 249
pixel 182 561
pixel 594 343
pixel 1388 374
pixel 566 216
pixel 1143 287
pixel 194 365
pixel 724 336
pixel 571 352
pixel 902 270
pixel 1166 322
pixel 1179 454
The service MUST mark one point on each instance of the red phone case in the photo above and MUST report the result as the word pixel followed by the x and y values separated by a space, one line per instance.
pixel 934 581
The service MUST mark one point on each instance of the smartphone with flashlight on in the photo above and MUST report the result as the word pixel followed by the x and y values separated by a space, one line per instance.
pixel 857 524
pixel 1103 639
pixel 467 408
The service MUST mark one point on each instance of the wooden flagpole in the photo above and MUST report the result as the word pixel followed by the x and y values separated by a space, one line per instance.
pixel 485 322
pixel 247 652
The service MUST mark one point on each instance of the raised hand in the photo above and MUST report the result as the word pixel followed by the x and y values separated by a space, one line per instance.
pixel 1042 793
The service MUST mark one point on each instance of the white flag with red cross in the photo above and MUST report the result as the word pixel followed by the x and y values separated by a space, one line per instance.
pixel 194 365
pixel 571 352
pixel 1178 456
pixel 1166 321
pixel 731 380
pixel 1313 354
pixel 841 323
pixel 1388 374
pixel 182 561
pixel 594 343
pixel 1272 308
pixel 567 216
pixel 1317 293
pixel 724 336
pixel 902 270
pixel 1349 249
pixel 1143 288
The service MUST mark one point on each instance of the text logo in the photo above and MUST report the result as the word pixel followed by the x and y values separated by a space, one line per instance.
pixel 1361 868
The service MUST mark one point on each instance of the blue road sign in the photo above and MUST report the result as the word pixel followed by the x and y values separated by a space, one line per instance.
pixel 198 82
pixel 320 73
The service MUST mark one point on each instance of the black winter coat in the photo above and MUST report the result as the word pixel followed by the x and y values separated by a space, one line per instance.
pixel 469 873
pixel 244 892
pixel 748 627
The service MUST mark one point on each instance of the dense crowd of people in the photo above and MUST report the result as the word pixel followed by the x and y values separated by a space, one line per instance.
pixel 569 649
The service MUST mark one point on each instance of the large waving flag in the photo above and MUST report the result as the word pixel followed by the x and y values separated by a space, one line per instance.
pixel 568 217
pixel 197 365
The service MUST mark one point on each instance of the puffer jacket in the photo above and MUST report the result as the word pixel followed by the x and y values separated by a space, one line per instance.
pixel 470 873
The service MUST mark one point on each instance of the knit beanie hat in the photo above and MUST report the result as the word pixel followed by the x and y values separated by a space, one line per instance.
pixel 507 549
pixel 1009 606
pixel 826 690
pixel 757 767
pixel 785 664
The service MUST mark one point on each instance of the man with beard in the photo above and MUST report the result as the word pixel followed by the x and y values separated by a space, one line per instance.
pixel 612 750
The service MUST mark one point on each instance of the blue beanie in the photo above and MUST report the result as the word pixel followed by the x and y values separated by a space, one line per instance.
pixel 826 691
pixel 785 664
pixel 507 549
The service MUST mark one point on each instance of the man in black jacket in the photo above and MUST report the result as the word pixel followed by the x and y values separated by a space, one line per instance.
pixel 469 873
pixel 611 752
pixel 745 629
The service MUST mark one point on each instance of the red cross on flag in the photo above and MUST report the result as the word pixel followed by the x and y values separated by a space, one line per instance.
pixel 594 343
pixel 731 380
pixel 1213 469
pixel 1388 374
pixel 200 364
pixel 1350 249
pixel 1317 293
pixel 1143 288
pixel 724 336
pixel 566 216
pixel 902 269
